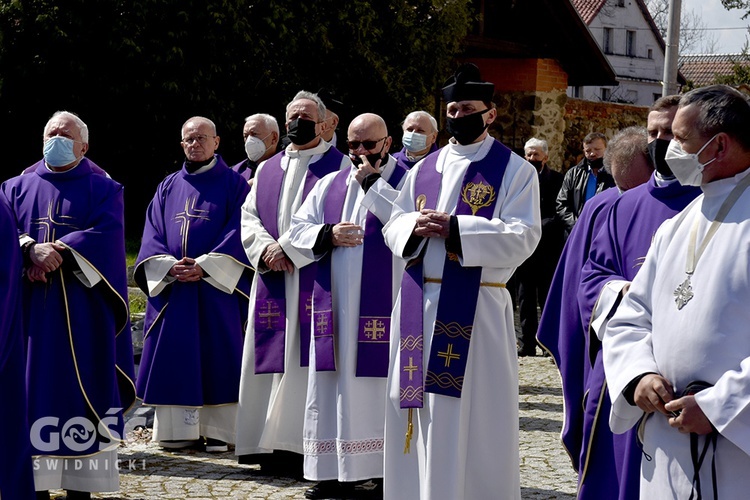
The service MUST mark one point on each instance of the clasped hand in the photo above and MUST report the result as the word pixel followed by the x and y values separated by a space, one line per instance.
pixel 655 394
pixel 432 224
pixel 186 270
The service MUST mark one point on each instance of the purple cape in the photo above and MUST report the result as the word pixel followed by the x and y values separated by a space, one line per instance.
pixel 560 329
pixel 192 350
pixel 617 252
pixel 406 162
pixel 16 478
pixel 79 351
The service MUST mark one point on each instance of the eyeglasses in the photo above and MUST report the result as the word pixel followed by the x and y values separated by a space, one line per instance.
pixel 354 145
pixel 200 138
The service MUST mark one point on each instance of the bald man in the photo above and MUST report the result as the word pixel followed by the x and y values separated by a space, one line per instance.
pixel 194 270
pixel 340 225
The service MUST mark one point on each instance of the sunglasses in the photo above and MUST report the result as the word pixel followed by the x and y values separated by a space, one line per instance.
pixel 354 145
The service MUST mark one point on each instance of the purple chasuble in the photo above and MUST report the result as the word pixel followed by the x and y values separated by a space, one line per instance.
pixel 79 349
pixel 560 329
pixel 373 333
pixel 270 298
pixel 246 168
pixel 459 291
pixel 610 463
pixel 16 477
pixel 193 332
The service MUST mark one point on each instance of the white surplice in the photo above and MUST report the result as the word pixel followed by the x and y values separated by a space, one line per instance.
pixel 706 340
pixel 465 447
pixel 272 406
pixel 345 414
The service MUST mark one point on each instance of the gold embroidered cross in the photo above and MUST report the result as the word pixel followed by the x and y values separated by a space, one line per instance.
pixel 411 368
pixel 322 323
pixel 309 305
pixel 448 355
pixel 374 329
pixel 270 313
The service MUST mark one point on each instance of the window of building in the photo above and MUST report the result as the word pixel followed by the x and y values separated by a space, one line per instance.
pixel 630 43
pixel 650 53
pixel 657 96
pixel 621 3
pixel 577 92
pixel 607 40
pixel 605 94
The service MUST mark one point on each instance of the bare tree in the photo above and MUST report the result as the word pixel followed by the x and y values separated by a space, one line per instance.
pixel 693 33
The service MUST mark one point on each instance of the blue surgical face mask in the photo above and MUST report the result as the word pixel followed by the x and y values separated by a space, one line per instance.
pixel 414 141
pixel 58 151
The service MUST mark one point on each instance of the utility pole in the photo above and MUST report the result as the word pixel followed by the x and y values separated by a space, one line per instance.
pixel 673 48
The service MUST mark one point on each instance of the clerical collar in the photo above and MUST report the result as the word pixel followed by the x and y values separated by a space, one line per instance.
pixel 198 167
pixel 662 180
pixel 56 170
pixel 321 148
pixel 416 157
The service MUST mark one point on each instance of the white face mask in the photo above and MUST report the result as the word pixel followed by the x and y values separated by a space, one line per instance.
pixel 414 141
pixel 686 166
pixel 255 147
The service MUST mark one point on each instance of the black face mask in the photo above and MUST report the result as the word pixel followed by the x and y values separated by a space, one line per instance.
pixel 596 164
pixel 301 131
pixel 372 158
pixel 467 128
pixel 657 150
pixel 537 164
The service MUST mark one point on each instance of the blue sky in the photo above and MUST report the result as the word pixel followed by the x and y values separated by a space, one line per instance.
pixel 714 15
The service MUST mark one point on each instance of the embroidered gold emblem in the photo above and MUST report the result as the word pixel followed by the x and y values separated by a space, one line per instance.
pixel 421 202
pixel 452 256
pixel 410 368
pixel 478 196
pixel 448 355
pixel 270 315
pixel 374 329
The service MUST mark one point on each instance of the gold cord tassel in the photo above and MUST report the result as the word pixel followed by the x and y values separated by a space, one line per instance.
pixel 409 432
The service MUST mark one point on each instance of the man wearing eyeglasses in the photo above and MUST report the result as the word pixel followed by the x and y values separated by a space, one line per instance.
pixel 340 225
pixel 79 355
pixel 465 218
pixel 195 273
pixel 277 341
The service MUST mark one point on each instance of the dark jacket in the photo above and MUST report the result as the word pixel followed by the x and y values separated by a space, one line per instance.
pixel 572 195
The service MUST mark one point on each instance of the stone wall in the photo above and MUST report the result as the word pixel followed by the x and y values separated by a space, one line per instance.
pixel 582 117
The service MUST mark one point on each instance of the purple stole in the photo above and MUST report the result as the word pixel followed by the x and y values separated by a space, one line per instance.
pixel 373 333
pixel 459 292
pixel 270 298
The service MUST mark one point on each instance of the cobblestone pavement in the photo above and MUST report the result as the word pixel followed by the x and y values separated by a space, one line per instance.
pixel 147 472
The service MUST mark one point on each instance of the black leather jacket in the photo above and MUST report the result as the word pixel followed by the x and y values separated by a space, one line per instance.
pixel 572 195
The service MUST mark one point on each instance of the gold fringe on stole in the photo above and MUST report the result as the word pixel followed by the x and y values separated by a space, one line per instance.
pixel 409 432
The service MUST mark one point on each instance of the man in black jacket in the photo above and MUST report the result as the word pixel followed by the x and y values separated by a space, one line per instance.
pixel 583 181
pixel 535 275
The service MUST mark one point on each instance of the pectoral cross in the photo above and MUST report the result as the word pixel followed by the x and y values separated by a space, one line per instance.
pixel 269 314
pixel 411 368
pixel 448 355
pixel 374 329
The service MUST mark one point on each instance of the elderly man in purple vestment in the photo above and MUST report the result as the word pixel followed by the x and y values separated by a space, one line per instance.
pixel 340 225
pixel 79 360
pixel 562 330
pixel 261 136
pixel 465 218
pixel 616 255
pixel 277 341
pixel 195 273
pixel 16 477
pixel 419 139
